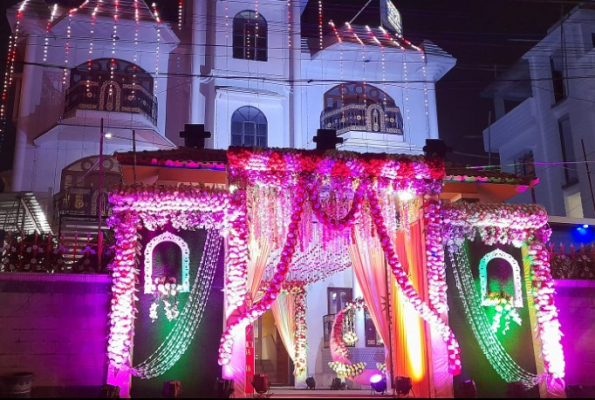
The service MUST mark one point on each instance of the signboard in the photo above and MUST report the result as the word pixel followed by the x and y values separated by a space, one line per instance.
pixel 391 17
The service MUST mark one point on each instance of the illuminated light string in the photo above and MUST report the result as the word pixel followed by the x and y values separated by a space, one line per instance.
pixel 320 22
pixel 136 32
pixel 180 14
pixel 424 61
pixel 67 48
pixel 336 32
pixel 289 32
pixel 91 44
pixel 114 44
pixel 47 32
pixel 489 343
pixel 158 49
pixel 180 337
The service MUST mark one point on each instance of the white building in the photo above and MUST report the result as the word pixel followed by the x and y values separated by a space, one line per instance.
pixel 241 68
pixel 544 114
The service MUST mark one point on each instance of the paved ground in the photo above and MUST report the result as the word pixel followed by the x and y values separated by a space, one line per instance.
pixel 291 393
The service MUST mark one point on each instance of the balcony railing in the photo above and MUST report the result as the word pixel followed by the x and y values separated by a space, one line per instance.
pixel 572 263
pixel 359 117
pixel 112 97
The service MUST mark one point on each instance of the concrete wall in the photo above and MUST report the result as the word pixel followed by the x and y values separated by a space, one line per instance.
pixel 576 305
pixel 56 327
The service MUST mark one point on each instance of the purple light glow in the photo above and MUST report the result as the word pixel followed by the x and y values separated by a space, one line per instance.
pixel 376 378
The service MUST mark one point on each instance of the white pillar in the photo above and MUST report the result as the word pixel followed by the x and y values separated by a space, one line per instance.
pixel 197 51
pixel 295 75
pixel 28 102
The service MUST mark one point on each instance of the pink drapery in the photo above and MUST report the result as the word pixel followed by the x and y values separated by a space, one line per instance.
pixel 369 267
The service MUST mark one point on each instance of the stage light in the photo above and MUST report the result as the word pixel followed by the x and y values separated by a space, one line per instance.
pixel 378 383
pixel 586 226
pixel 109 392
pixel 172 389
pixel 224 388
pixel 311 382
pixel 336 384
pixel 260 382
pixel 406 195
pixel 403 385
pixel 467 389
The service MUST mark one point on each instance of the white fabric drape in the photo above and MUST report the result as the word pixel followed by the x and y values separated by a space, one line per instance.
pixel 259 256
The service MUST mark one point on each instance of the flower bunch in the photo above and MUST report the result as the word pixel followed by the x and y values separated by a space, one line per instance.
pixel 502 303
pixel 300 333
pixel 344 370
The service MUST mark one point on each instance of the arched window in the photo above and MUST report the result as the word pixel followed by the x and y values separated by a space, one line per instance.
pixel 249 128
pixel 250 33
pixel 358 106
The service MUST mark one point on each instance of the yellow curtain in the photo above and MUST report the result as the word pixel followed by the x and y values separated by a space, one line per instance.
pixel 410 351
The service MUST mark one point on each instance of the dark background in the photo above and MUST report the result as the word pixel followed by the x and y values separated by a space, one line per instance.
pixel 517 342
pixel 484 36
pixel 198 369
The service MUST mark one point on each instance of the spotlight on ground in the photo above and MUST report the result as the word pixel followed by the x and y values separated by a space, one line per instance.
pixel 172 389
pixel 311 382
pixel 467 389
pixel 260 382
pixel 403 385
pixel 223 388
pixel 378 383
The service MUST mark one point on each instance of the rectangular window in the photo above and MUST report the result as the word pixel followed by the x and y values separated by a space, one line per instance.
pixel 559 86
pixel 525 165
pixel 373 339
pixel 338 299
pixel 592 39
pixel 568 155
pixel 574 205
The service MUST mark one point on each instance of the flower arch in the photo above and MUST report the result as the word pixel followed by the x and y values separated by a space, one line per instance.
pixel 167 237
pixel 516 272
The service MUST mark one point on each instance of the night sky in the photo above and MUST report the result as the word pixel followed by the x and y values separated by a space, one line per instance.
pixel 485 36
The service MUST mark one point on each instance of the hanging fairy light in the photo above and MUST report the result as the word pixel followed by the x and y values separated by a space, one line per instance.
pixel 91 45
pixel 46 41
pixel 136 30
pixel 424 61
pixel 67 48
pixel 289 23
pixel 114 43
pixel 406 76
pixel 320 19
pixel 342 86
pixel 180 14
pixel 158 49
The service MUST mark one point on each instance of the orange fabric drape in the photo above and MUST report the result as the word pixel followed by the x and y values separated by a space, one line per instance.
pixel 410 350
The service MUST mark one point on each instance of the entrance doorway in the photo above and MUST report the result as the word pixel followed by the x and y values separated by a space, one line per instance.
pixel 271 357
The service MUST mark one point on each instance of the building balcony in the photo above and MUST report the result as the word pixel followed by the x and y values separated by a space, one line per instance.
pixel 363 118
pixel 114 98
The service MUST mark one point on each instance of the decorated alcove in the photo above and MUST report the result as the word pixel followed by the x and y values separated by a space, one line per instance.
pixel 284 210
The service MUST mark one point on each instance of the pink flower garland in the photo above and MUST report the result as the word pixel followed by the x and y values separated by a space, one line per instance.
pixel 225 348
pixel 547 314
pixel 348 220
pixel 124 276
pixel 435 254
pixel 409 291
pixel 300 333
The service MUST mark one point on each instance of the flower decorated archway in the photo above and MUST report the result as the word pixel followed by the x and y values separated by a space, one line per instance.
pixel 184 208
pixel 299 198
pixel 523 226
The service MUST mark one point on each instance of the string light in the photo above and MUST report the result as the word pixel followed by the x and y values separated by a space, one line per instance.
pixel 342 86
pixel 406 76
pixel 289 24
pixel 136 30
pixel 47 32
pixel 497 356
pixel 426 102
pixel 180 14
pixel 114 41
pixel 91 45
pixel 320 20
pixel 180 337
pixel 67 51
pixel 158 50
